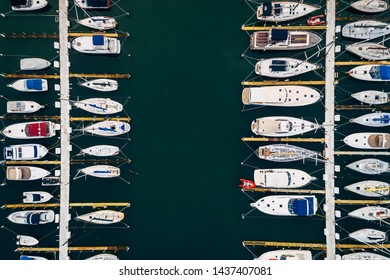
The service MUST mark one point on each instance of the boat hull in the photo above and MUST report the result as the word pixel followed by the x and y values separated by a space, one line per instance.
pixel 281 178
pixel 104 85
pixel 371 213
pixel 283 67
pixel 372 97
pixel 24 152
pixel 100 106
pixel 83 4
pixel 373 120
pixel 103 257
pixel 86 45
pixel 30 130
pixel 102 217
pixel 25 240
pixel 370 166
pixel 101 151
pixel 284 153
pixel 22 85
pixel 286 11
pixel 108 128
pixel 369 235
pixel 370 188
pixel 99 22
pixel 368 140
pixel 101 171
pixel 33 64
pixel 371 73
pixel 363 256
pixel 365 29
pixel 286 255
pixel 370 6
pixel 36 197
pixel 24 218
pixel 369 51
pixel 23 107
pixel 25 173
pixel 36 5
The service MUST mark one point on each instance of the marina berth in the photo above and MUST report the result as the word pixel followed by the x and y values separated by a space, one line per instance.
pixel 372 73
pixel 32 258
pixel 108 128
pixel 24 152
pixel 36 197
pixel 369 51
pixel 372 97
pixel 369 235
pixel 280 11
pixel 32 217
pixel 102 217
pixel 371 6
pixel 99 22
pixel 28 5
pixel 365 29
pixel 370 188
pixel 34 64
pixel 284 153
pixel 286 255
pixel 93 4
pixel 371 213
pixel 29 85
pixel 103 257
pixel 281 178
pixel 23 107
pixel 378 119
pixel 283 67
pixel 25 173
pixel 363 256
pixel 30 130
pixel 100 151
pixel 101 171
pixel 370 166
pixel 97 44
pixel 100 106
pixel 26 240
pixel 101 85
pixel 368 140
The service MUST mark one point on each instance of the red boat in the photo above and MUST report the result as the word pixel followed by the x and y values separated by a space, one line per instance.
pixel 247 184
pixel 316 20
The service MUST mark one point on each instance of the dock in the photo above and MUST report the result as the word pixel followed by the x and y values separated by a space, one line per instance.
pixel 283 83
pixel 319 246
pixel 287 27
pixel 71 75
pixel 283 139
pixel 70 249
pixel 74 204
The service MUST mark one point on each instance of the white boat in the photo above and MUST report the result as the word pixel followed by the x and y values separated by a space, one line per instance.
pixel 280 11
pixel 100 151
pixel 28 5
pixel 283 40
pixel 108 128
pixel 282 126
pixel 97 44
pixel 32 258
pixel 365 29
pixel 370 188
pixel 36 197
pixel 103 257
pixel 26 240
pixel 368 140
pixel 34 64
pixel 369 235
pixel 24 152
pixel 371 213
pixel 371 166
pixel 32 217
pixel 100 106
pixel 93 4
pixel 283 67
pixel 51 181
pixel 101 85
pixel 29 85
pixel 287 205
pixel 372 73
pixel 370 51
pixel 363 256
pixel 25 173
pixel 281 178
pixel 280 96
pixel 371 6
pixel 377 119
pixel 99 22
pixel 372 97
pixel 286 255
pixel 30 130
pixel 284 153
pixel 101 171
pixel 102 217
pixel 23 107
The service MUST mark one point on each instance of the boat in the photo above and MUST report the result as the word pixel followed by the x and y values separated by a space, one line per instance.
pixel 101 85
pixel 101 171
pixel 370 6
pixel 51 181
pixel 34 64
pixel 281 178
pixel 284 153
pixel 377 119
pixel 100 151
pixel 32 258
pixel 286 255
pixel 25 173
pixel 28 5
pixel 370 188
pixel 99 22
pixel 36 197
pixel 283 40
pixel 30 130
pixel 287 205
pixel 100 106
pixel 97 44
pixel 363 256
pixel 24 152
pixel 365 29
pixel 32 217
pixel 282 126
pixel 283 67
pixel 247 184
pixel 280 96
pixel 93 4
pixel 371 213
pixel 29 85
pixel 368 140
pixel 108 128
pixel 371 73
pixel 102 217
pixel 26 240
pixel 316 20
pixel 369 235
pixel 372 97
pixel 369 166
pixel 370 51
pixel 23 107
pixel 103 257
pixel 280 11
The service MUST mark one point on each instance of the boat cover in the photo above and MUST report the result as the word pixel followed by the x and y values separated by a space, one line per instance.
pixel 36 197
pixel 279 35
pixel 278 65
pixel 37 129
pixel 267 9
pixel 384 119
pixel 34 84
pixel 303 207
pixel 18 2
pixel 98 40
pixel 384 72
pixel 99 3
pixel 33 218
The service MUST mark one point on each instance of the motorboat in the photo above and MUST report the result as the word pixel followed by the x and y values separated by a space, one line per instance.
pixel 284 153
pixel 371 213
pixel 108 128
pixel 32 258
pixel 26 240
pixel 370 51
pixel 371 6
pixel 93 4
pixel 365 29
pixel 28 5
pixel 369 235
pixel 100 106
pixel 101 171
pixel 377 119
pixel 316 20
pixel 282 126
pixel 97 44
pixel 372 97
pixel 24 152
pixel 30 130
pixel 286 255
pixel 372 73
pixel 287 205
pixel 363 256
pixel 280 96
pixel 25 173
pixel 103 257
pixel 29 85
pixel 34 64
pixel 281 178
pixel 36 197
pixel 51 181
pixel 371 166
pixel 247 184
pixel 32 217
pixel 100 151
pixel 102 217
pixel 101 85
pixel 99 22
pixel 280 11
pixel 368 140
pixel 283 67
pixel 283 40
pixel 370 188
pixel 23 107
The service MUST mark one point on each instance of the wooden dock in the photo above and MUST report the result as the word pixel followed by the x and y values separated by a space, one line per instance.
pixel 283 139
pixel 283 83
pixel 71 75
pixel 73 204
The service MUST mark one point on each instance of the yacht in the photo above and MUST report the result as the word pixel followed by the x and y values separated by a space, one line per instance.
pixel 100 106
pixel 28 5
pixel 369 166
pixel 34 64
pixel 103 257
pixel 280 96
pixel 280 11
pixel 29 85
pixel 363 256
pixel 108 128
pixel 368 140
pixel 102 217
pixel 30 130
pixel 36 197
pixel 365 29
pixel 101 85
pixel 371 6
pixel 371 213
pixel 369 235
pixel 24 152
pixel 283 67
pixel 23 107
pixel 287 205
pixel 370 188
pixel 26 240
pixel 93 4
pixel 286 255
pixel 284 153
pixel 372 73
pixel 100 151
pixel 32 258
pixel 372 97
pixel 281 178
pixel 101 171
pixel 25 173
pixel 377 119
pixel 97 44
pixel 369 51
pixel 99 22
pixel 32 217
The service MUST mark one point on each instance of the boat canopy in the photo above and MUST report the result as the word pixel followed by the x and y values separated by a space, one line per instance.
pixel 33 218
pixel 34 84
pixel 18 2
pixel 267 9
pixel 384 72
pixel 278 65
pixel 37 129
pixel 98 40
pixel 279 35
pixel 99 3
pixel 301 206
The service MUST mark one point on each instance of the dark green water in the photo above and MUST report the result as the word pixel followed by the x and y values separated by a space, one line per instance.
pixel 185 146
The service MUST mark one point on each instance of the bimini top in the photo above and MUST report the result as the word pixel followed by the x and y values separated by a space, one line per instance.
pixel 98 40
pixel 278 65
pixel 34 84
pixel 99 3
pixel 279 35
pixel 37 129
pixel 301 206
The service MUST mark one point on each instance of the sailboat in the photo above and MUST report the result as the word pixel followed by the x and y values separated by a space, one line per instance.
pixel 371 213
pixel 286 255
pixel 101 171
pixel 99 22
pixel 100 106
pixel 377 119
pixel 28 5
pixel 102 217
pixel 101 85
pixel 371 6
pixel 369 235
pixel 363 256
pixel 280 11
pixel 371 166
pixel 284 153
pixel 93 4
pixel 100 151
pixel 23 107
pixel 108 128
pixel 370 51
pixel 370 188
pixel 371 72
pixel 372 97
pixel 103 257
pixel 283 67
pixel 365 29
